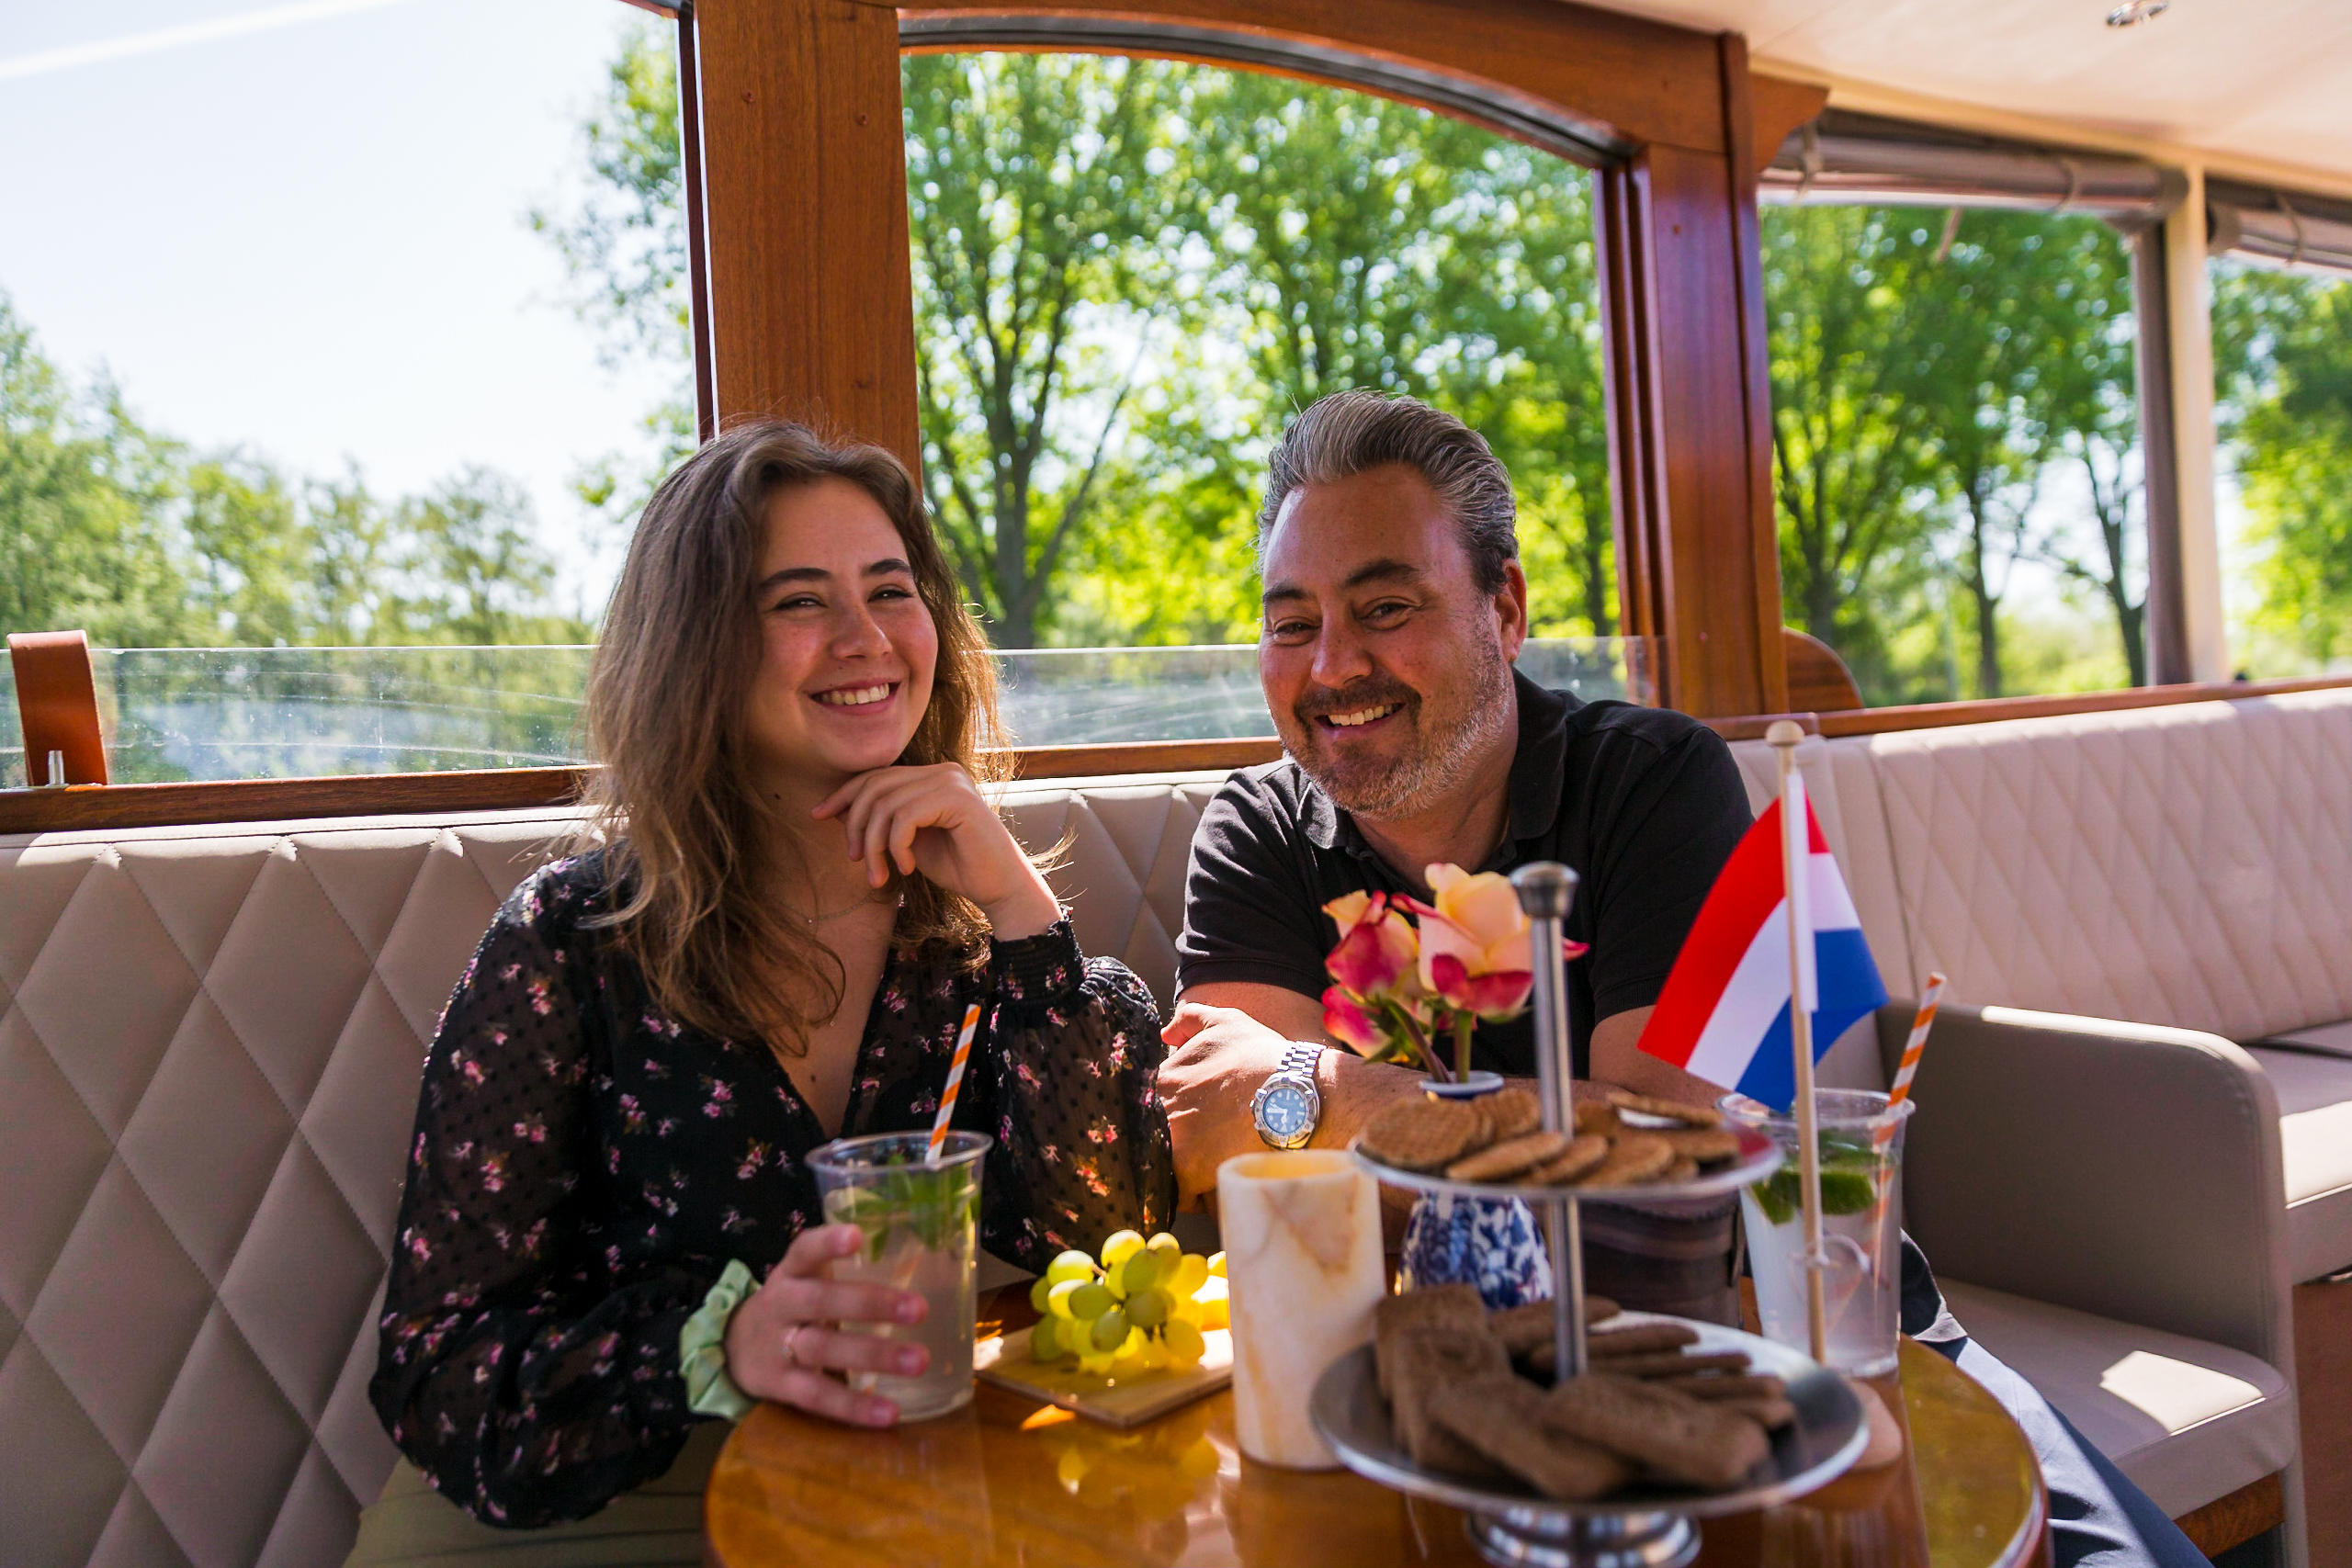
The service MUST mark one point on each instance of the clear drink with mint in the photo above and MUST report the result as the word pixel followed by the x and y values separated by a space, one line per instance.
pixel 1862 1222
pixel 920 1221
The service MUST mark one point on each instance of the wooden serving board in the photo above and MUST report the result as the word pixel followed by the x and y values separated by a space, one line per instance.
pixel 1126 1401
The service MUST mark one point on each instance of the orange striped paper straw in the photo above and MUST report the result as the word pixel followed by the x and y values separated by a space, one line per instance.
pixel 1921 1022
pixel 955 1081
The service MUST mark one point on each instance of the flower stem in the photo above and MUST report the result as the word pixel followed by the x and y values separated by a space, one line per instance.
pixel 1430 1062
pixel 1463 1024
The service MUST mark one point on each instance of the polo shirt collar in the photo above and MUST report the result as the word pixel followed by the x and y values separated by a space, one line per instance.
pixel 1535 773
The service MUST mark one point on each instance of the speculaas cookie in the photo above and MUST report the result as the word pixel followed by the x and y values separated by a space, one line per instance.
pixel 1708 1145
pixel 1429 1362
pixel 1453 1308
pixel 1582 1154
pixel 1736 1386
pixel 1513 1111
pixel 1667 1109
pixel 1599 1120
pixel 1418 1133
pixel 1523 1327
pixel 1502 1418
pixel 1670 1433
pixel 1674 1364
pixel 1770 1412
pixel 1641 1339
pixel 1633 1158
pixel 1500 1162
pixel 1683 1168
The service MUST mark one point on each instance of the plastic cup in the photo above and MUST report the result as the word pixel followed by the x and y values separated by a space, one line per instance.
pixel 921 1222
pixel 1861 1223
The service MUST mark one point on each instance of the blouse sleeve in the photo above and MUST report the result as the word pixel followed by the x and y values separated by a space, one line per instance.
pixel 525 1381
pixel 1082 1150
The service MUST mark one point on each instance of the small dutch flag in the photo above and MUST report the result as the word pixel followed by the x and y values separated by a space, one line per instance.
pixel 1723 1015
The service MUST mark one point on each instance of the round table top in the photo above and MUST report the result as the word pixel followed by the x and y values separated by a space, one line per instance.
pixel 1008 1481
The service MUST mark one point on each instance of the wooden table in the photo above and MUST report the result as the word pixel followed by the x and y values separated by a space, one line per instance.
pixel 1009 1482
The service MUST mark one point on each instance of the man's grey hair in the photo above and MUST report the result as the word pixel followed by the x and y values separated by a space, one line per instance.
pixel 1349 432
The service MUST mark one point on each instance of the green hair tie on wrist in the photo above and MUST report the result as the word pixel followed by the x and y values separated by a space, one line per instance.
pixel 702 1348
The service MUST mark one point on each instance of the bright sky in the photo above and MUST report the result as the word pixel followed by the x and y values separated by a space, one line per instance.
pixel 299 227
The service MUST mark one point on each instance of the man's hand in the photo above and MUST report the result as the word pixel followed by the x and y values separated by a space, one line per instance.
pixel 1218 1058
pixel 1223 1054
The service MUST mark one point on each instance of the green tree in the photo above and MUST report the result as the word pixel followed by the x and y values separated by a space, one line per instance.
pixel 2283 345
pixel 1042 271
pixel 1854 450
pixel 1128 273
pixel 624 244
pixel 478 572
pixel 81 493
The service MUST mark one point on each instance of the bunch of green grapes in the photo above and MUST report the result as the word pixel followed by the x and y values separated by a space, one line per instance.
pixel 1146 1305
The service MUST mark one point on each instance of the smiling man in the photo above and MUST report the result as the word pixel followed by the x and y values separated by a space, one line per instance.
pixel 1395 606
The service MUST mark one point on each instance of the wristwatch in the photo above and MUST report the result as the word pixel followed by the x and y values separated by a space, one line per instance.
pixel 1286 1108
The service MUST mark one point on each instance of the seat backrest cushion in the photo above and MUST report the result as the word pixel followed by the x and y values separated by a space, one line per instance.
pixel 211 1040
pixel 2189 865
pixel 210 1046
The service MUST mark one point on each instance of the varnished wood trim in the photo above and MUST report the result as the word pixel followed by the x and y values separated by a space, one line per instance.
pixel 1780 106
pixel 1818 679
pixel 1644 81
pixel 805 184
pixel 2233 1520
pixel 57 707
pixel 1691 316
pixel 271 800
pixel 1939 716
pixel 1142 757
pixel 1747 330
pixel 698 215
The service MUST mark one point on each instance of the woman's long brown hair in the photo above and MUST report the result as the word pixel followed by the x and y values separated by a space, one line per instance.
pixel 677 807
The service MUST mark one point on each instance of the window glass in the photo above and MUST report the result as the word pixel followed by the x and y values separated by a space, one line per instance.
pixel 315 344
pixel 2282 350
pixel 327 407
pixel 1956 465
pixel 1129 272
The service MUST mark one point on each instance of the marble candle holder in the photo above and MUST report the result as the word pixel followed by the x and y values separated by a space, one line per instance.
pixel 1304 1266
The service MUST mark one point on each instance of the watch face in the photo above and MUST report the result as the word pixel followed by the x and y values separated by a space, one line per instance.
pixel 1284 1112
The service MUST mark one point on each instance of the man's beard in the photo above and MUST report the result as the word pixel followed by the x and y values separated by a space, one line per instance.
pixel 1451 732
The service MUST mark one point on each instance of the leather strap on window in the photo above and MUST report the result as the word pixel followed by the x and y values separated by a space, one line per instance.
pixel 59 703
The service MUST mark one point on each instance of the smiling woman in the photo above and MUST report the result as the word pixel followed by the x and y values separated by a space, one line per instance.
pixel 790 896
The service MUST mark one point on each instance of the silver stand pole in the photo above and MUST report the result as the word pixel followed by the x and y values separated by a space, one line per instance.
pixel 1547 888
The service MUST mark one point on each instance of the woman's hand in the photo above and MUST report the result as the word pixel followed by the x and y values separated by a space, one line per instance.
pixel 786 1341
pixel 933 820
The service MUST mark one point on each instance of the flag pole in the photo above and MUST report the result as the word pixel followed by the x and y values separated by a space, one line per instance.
pixel 1796 843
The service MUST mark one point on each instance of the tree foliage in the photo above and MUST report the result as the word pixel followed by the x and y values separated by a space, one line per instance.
pixel 108 525
pixel 1127 273
pixel 2283 348
pixel 1935 376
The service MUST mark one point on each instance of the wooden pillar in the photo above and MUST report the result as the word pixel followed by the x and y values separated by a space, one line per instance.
pixel 804 179
pixel 1692 443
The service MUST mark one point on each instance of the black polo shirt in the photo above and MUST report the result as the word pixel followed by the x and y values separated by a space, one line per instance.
pixel 1645 804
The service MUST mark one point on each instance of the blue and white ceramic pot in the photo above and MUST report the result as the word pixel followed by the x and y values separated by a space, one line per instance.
pixel 1493 1245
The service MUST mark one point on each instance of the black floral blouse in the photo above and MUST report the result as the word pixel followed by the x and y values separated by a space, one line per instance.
pixel 585 1167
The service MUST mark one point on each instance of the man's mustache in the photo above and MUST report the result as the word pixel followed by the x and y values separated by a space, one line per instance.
pixel 1323 701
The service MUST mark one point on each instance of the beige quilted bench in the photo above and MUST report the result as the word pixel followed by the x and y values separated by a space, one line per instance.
pixel 210 1041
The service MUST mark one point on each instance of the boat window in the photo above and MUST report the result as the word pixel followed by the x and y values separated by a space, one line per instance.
pixel 352 371
pixel 2282 350
pixel 1956 462
pixel 1129 272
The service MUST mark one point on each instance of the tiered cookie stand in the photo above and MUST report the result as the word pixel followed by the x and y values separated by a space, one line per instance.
pixel 1645 1526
